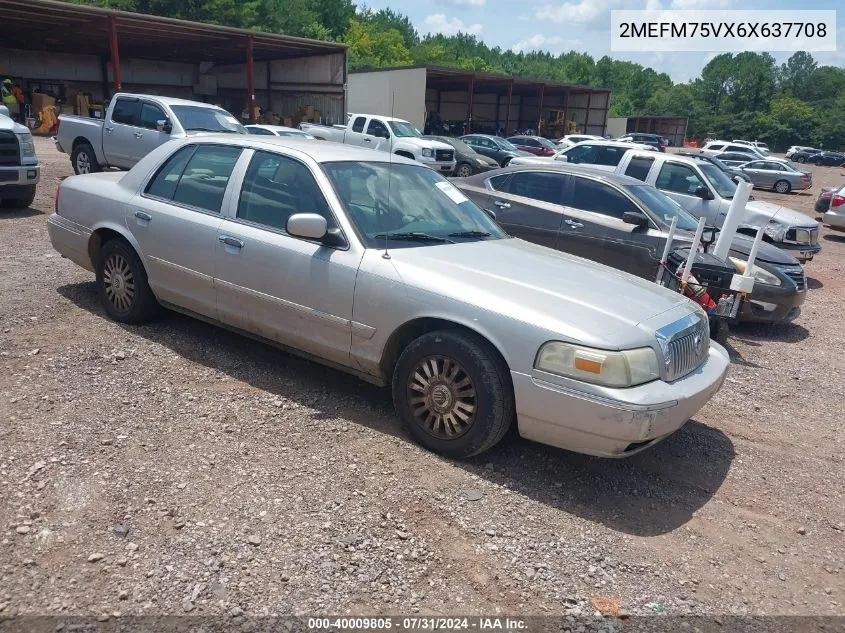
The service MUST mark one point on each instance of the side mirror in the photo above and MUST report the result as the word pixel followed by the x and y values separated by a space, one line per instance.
pixel 492 214
pixel 704 193
pixel 634 217
pixel 562 158
pixel 163 125
pixel 311 226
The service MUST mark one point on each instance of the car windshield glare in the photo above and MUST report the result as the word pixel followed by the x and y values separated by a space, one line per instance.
pixel 403 129
pixel 505 145
pixel 402 201
pixel 199 119
pixel 719 180
pixel 663 207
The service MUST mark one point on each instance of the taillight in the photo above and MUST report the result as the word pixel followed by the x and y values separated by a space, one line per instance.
pixel 837 201
pixel 805 177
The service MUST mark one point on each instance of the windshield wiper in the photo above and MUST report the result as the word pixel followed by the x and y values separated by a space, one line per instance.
pixel 412 236
pixel 208 129
pixel 470 234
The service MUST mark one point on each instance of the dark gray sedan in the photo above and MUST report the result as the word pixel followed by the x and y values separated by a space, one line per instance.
pixel 622 222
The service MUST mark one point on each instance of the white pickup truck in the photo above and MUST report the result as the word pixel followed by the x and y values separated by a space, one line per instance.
pixel 19 171
pixel 705 190
pixel 389 135
pixel 133 126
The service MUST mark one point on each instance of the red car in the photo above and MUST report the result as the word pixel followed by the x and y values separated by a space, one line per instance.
pixel 537 145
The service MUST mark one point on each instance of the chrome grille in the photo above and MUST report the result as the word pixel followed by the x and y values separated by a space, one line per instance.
pixel 685 345
pixel 9 152
pixel 444 154
pixel 796 274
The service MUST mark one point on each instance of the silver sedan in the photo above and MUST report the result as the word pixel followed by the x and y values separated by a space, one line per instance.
pixel 777 175
pixel 376 265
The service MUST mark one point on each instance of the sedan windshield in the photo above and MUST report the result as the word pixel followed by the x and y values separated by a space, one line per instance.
pixel 724 186
pixel 199 119
pixel 505 145
pixel 407 206
pixel 663 207
pixel 403 129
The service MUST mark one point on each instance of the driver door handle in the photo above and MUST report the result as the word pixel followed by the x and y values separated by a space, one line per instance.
pixel 502 205
pixel 573 224
pixel 137 135
pixel 368 140
pixel 109 130
pixel 228 240
pixel 146 217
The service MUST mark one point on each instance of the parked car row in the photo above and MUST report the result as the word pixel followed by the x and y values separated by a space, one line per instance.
pixel 817 157
pixel 377 265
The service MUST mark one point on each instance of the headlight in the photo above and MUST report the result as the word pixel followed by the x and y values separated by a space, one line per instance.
pixel 27 145
pixel 611 369
pixel 480 162
pixel 428 153
pixel 763 276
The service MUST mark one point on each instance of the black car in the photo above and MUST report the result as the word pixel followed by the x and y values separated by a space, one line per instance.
pixel 732 172
pixel 655 140
pixel 590 214
pixel 805 155
pixel 831 159
pixel 468 161
pixel 499 149
pixel 735 159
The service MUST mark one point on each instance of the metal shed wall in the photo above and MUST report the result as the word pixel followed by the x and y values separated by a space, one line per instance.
pixel 398 93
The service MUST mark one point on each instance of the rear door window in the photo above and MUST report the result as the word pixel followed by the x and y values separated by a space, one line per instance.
pixel 205 177
pixel 358 125
pixel 542 186
pixel 582 154
pixel 127 112
pixel 639 167
pixel 609 155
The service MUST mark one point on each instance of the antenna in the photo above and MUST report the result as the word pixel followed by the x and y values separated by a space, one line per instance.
pixel 389 170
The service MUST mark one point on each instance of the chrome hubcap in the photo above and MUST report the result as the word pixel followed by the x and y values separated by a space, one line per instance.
pixel 782 187
pixel 83 163
pixel 442 397
pixel 463 171
pixel 119 282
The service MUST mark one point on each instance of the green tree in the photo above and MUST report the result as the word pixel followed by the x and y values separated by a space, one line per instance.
pixel 794 75
pixel 370 47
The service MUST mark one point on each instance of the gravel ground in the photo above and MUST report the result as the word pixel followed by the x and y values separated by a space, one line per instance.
pixel 177 468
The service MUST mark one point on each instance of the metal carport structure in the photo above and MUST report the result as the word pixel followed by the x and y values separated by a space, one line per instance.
pixel 49 27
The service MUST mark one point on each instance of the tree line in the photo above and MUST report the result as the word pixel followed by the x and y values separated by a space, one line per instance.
pixel 743 95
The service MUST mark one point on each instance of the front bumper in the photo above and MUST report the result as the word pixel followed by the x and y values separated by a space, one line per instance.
pixel 772 304
pixel 20 175
pixel 801 252
pixel 835 219
pixel 631 421
pixel 444 167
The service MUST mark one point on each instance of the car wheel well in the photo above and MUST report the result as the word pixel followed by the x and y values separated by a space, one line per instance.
pixel 98 239
pixel 405 154
pixel 412 330
pixel 80 140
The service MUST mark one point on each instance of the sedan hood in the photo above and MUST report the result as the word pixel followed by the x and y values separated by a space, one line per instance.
pixel 758 213
pixel 569 296
pixel 768 253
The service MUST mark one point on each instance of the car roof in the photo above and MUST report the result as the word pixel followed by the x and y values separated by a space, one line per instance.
pixel 566 168
pixel 169 101
pixel 320 152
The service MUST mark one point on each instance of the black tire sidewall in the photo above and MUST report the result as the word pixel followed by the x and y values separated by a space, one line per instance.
pixel 494 397
pixel 92 158
pixel 143 303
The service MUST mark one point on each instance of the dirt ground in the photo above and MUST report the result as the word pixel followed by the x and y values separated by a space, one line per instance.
pixel 178 468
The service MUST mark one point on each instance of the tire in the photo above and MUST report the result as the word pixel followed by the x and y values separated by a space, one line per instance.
pixel 801 159
pixel 464 170
pixel 21 202
pixel 506 162
pixel 122 284
pixel 783 186
pixel 84 160
pixel 453 394
pixel 719 331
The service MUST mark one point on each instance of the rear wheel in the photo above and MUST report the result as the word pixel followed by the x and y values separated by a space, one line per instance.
pixel 783 186
pixel 84 159
pixel 801 159
pixel 453 393
pixel 122 284
pixel 463 170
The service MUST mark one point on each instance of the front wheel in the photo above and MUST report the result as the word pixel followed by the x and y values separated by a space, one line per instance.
pixel 453 393
pixel 122 284
pixel 463 170
pixel 84 159
pixel 783 186
pixel 801 159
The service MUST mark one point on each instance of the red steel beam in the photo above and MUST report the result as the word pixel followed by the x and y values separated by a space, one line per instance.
pixel 115 54
pixel 250 79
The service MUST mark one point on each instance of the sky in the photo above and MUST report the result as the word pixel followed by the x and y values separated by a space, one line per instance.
pixel 584 26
